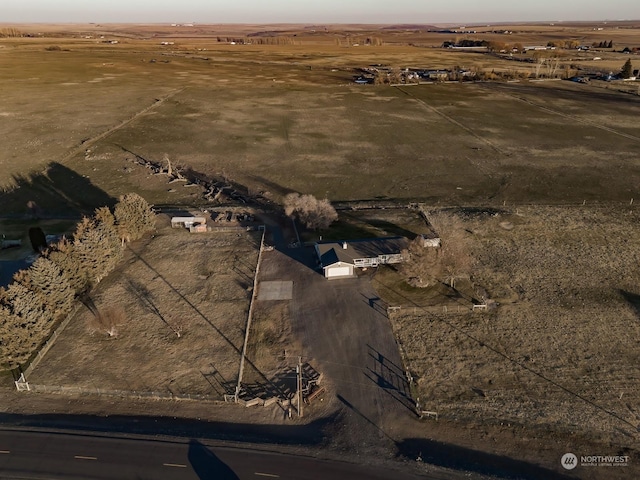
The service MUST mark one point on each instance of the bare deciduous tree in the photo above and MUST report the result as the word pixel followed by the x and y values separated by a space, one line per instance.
pixel 313 213
pixel 421 265
pixel 108 321
pixel 424 266
pixel 455 249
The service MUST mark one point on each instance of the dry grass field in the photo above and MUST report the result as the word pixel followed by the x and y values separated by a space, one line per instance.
pixel 557 160
pixel 560 353
pixel 286 117
pixel 193 284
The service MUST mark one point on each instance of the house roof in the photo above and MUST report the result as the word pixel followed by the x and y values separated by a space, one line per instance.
pixel 333 252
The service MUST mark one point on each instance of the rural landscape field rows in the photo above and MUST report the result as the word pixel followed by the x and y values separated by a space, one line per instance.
pixel 494 368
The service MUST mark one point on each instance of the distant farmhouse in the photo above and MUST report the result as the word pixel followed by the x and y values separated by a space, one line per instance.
pixel 340 259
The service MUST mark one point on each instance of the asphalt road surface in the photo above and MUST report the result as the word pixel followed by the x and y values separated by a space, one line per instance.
pixel 46 455
pixel 344 330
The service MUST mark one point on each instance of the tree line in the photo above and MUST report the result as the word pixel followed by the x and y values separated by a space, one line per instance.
pixel 273 40
pixel 603 44
pixel 10 32
pixel 40 296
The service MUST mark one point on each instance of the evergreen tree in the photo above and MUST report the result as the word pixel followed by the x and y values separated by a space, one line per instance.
pixel 627 69
pixel 66 257
pixel 38 239
pixel 50 283
pixel 7 324
pixel 98 245
pixel 25 323
pixel 134 217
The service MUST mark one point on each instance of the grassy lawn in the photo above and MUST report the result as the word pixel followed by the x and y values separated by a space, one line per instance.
pixel 193 284
pixel 559 352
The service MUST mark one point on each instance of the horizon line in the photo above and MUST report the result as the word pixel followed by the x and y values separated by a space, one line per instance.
pixel 193 23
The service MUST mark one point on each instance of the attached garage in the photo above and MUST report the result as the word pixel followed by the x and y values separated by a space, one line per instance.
pixel 339 269
pixel 340 259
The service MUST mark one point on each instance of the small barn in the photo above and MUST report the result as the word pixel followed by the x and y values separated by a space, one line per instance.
pixel 340 259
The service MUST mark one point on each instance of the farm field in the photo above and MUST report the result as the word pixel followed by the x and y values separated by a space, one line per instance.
pixel 282 118
pixel 556 161
pixel 560 351
pixel 196 286
pixel 452 143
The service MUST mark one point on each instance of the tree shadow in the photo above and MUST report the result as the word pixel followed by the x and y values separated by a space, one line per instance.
pixel 461 458
pixel 144 295
pixel 271 186
pixel 56 192
pixel 633 299
pixel 390 228
pixel 313 433
pixel 88 302
pixel 200 314
pixel 206 465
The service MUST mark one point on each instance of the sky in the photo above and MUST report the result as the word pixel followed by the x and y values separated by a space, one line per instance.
pixel 305 11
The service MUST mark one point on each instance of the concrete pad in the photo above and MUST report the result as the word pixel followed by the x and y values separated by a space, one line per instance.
pixel 275 290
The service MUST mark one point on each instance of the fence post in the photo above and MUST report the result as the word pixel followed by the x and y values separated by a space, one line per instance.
pixel 22 384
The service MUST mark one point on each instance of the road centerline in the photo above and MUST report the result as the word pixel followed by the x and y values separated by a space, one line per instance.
pixel 83 457
pixel 5 452
pixel 176 465
pixel 261 474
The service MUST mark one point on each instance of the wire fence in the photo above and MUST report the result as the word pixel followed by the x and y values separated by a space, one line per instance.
pixel 131 394
pixel 49 343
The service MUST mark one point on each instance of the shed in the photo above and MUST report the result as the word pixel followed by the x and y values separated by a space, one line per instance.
pixel 187 222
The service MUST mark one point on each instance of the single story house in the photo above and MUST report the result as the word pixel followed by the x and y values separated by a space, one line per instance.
pixel 340 259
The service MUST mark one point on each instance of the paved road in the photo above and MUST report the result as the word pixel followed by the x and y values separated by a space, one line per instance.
pixel 45 455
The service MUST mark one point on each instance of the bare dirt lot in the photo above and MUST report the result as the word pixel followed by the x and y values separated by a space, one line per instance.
pixel 560 352
pixel 197 285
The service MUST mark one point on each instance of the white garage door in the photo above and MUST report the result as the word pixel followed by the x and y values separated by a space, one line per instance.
pixel 338 271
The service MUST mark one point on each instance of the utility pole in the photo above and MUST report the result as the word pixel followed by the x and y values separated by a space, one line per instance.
pixel 299 386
